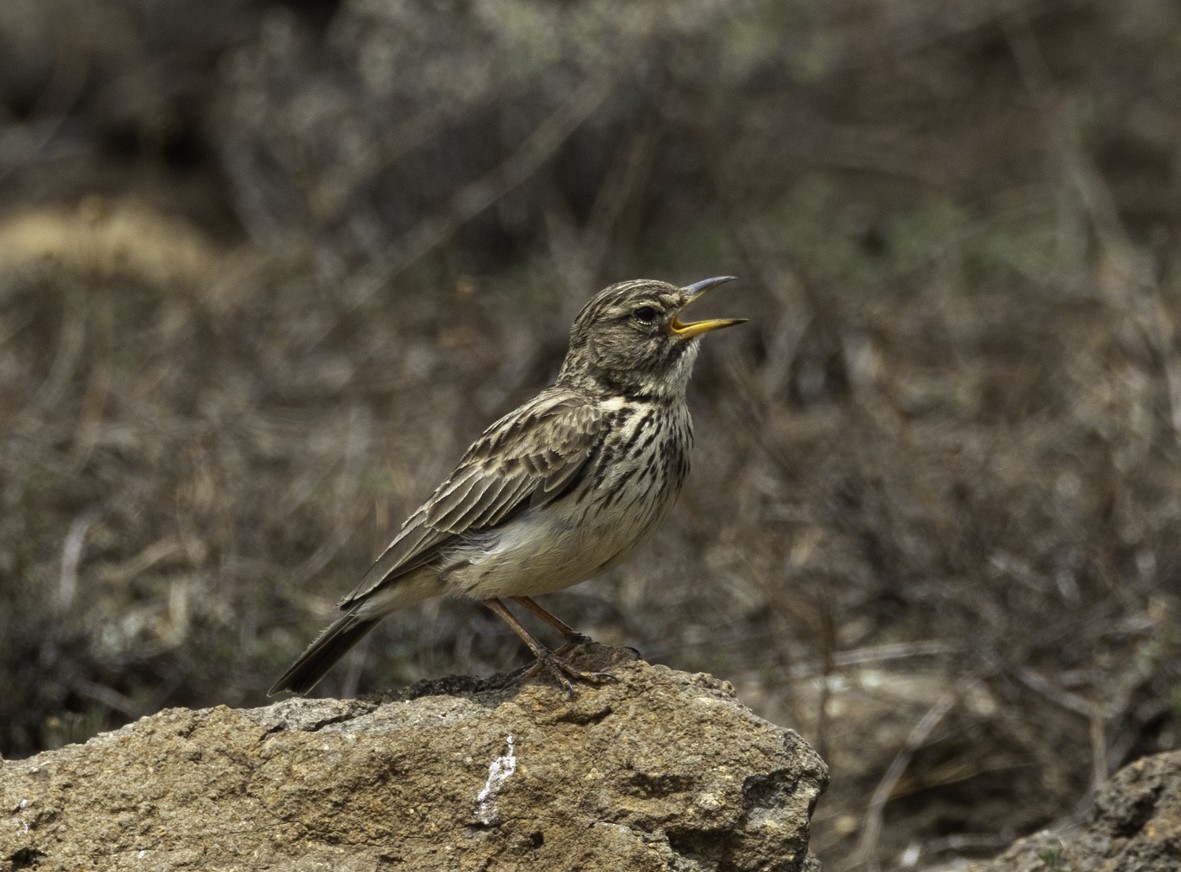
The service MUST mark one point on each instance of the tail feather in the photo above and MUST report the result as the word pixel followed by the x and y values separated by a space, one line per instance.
pixel 322 654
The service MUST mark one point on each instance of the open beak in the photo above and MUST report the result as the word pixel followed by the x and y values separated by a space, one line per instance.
pixel 695 291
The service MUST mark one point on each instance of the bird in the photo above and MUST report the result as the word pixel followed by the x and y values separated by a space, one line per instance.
pixel 557 491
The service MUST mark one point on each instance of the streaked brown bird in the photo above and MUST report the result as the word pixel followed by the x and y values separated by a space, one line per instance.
pixel 557 491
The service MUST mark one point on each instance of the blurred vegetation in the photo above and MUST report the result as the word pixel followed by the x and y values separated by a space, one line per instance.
pixel 267 268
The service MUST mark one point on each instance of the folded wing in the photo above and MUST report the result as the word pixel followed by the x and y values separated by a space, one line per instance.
pixel 529 457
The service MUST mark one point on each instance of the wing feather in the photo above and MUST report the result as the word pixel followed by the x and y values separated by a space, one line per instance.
pixel 529 457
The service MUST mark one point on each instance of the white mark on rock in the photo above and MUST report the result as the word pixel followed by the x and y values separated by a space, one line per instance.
pixel 499 771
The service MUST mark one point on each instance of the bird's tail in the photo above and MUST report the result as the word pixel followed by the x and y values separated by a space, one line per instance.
pixel 323 653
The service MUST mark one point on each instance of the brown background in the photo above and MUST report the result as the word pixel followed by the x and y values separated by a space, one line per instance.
pixel 266 269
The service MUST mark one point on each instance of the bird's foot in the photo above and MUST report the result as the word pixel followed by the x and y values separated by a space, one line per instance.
pixel 562 671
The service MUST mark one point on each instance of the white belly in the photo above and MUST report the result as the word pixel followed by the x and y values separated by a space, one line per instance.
pixel 541 551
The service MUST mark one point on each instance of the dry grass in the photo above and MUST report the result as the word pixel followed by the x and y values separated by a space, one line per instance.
pixel 936 505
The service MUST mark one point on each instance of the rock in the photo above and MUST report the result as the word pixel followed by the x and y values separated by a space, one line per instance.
pixel 1135 824
pixel 656 770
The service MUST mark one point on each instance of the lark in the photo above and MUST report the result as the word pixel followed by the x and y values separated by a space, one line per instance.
pixel 556 492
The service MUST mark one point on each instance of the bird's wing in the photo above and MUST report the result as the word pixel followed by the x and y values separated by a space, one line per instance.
pixel 527 458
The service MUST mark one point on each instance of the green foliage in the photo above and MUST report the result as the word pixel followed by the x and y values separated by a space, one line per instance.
pixel 1053 859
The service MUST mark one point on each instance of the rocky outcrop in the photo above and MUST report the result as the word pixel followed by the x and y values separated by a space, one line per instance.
pixel 1134 826
pixel 656 770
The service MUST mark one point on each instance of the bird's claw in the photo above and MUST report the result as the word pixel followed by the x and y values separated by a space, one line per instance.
pixel 562 671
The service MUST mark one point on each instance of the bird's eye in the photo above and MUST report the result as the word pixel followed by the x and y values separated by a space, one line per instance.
pixel 646 314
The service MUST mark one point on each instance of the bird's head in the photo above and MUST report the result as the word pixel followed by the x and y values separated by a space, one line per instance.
pixel 631 339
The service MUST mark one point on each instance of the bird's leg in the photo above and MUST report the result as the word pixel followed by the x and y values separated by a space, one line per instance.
pixel 572 636
pixel 557 667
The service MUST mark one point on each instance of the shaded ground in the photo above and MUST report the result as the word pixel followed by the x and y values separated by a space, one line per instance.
pixel 259 287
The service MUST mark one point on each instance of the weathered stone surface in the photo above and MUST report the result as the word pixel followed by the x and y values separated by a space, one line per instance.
pixel 1134 826
pixel 657 770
